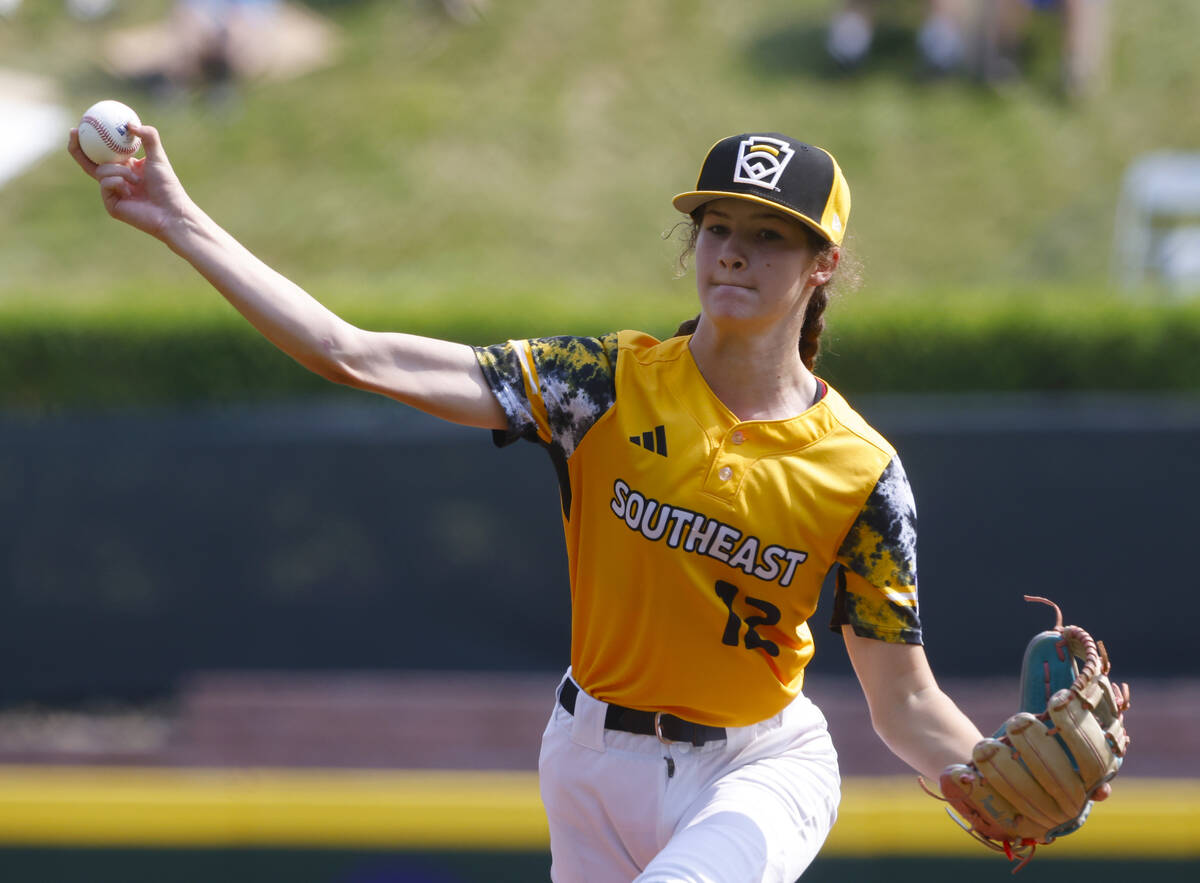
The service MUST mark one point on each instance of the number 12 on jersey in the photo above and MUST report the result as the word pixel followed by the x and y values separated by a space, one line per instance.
pixel 768 615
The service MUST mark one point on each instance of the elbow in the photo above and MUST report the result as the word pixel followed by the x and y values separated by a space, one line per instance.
pixel 341 372
pixel 335 372
pixel 890 719
pixel 331 360
pixel 880 724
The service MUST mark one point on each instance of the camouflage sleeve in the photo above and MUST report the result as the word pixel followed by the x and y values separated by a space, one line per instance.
pixel 877 579
pixel 552 389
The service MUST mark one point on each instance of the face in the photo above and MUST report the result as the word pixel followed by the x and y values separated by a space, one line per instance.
pixel 754 265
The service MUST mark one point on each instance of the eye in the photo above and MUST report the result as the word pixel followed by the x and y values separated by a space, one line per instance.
pixel 768 234
pixel 717 229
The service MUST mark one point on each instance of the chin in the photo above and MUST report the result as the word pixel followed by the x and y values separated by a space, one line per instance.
pixel 730 302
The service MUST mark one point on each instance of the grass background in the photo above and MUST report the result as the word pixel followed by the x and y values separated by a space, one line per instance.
pixel 513 177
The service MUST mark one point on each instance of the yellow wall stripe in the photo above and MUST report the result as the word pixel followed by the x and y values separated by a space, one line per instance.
pixel 452 810
pixel 224 807
pixel 1145 818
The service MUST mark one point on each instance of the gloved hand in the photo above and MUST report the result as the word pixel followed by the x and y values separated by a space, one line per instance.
pixel 1035 779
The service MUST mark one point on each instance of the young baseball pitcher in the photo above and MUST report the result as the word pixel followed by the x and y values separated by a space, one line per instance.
pixel 709 483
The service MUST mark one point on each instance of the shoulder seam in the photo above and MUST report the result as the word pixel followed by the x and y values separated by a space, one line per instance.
pixel 640 353
pixel 885 448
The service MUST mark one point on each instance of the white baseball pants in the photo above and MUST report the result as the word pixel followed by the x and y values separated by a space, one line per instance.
pixel 624 807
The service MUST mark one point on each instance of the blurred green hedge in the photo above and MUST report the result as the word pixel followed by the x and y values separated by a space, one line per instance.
pixel 114 360
pixel 1013 347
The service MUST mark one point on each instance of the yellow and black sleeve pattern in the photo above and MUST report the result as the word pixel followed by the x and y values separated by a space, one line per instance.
pixel 552 389
pixel 877 579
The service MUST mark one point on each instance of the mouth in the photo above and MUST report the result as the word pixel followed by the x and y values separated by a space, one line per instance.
pixel 720 283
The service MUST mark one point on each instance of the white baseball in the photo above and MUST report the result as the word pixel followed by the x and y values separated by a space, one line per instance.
pixel 104 132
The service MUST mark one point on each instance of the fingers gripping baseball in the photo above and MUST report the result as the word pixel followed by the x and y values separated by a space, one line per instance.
pixel 144 192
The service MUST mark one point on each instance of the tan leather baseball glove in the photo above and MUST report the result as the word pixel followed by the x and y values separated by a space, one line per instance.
pixel 1034 781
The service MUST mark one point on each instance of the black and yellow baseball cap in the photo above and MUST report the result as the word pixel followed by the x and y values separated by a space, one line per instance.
pixel 795 178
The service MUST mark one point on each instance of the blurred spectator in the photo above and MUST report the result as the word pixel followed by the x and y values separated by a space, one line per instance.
pixel 1005 28
pixel 222 39
pixel 940 40
pixel 214 43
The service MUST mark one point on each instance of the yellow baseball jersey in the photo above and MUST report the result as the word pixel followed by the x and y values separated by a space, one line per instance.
pixel 697 543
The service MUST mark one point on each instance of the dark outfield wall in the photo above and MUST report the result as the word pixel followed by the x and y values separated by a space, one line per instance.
pixel 357 534
pixel 320 866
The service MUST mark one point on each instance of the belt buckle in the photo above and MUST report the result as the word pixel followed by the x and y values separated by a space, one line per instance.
pixel 658 729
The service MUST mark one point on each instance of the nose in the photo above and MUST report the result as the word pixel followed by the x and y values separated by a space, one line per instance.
pixel 731 256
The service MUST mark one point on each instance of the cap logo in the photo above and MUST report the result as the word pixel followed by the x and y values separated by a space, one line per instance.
pixel 761 161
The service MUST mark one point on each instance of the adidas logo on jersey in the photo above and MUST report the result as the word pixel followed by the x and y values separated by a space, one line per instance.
pixel 654 440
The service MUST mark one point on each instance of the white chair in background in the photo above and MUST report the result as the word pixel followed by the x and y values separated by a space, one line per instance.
pixel 1156 238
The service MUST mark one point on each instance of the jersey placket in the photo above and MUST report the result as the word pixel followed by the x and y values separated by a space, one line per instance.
pixel 730 461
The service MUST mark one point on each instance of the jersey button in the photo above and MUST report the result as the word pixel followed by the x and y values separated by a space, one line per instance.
pixel 725 473
pixel 738 437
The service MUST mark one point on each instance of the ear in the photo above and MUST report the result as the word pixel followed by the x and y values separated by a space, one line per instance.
pixel 823 267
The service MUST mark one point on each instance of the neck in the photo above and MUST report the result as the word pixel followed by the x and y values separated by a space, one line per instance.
pixel 757 378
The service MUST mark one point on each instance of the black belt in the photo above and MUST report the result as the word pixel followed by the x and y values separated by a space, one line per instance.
pixel 667 727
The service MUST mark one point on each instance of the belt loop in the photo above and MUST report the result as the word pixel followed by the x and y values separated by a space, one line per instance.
pixel 658 728
pixel 587 724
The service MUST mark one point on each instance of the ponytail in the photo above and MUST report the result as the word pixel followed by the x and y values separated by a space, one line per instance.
pixel 814 324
